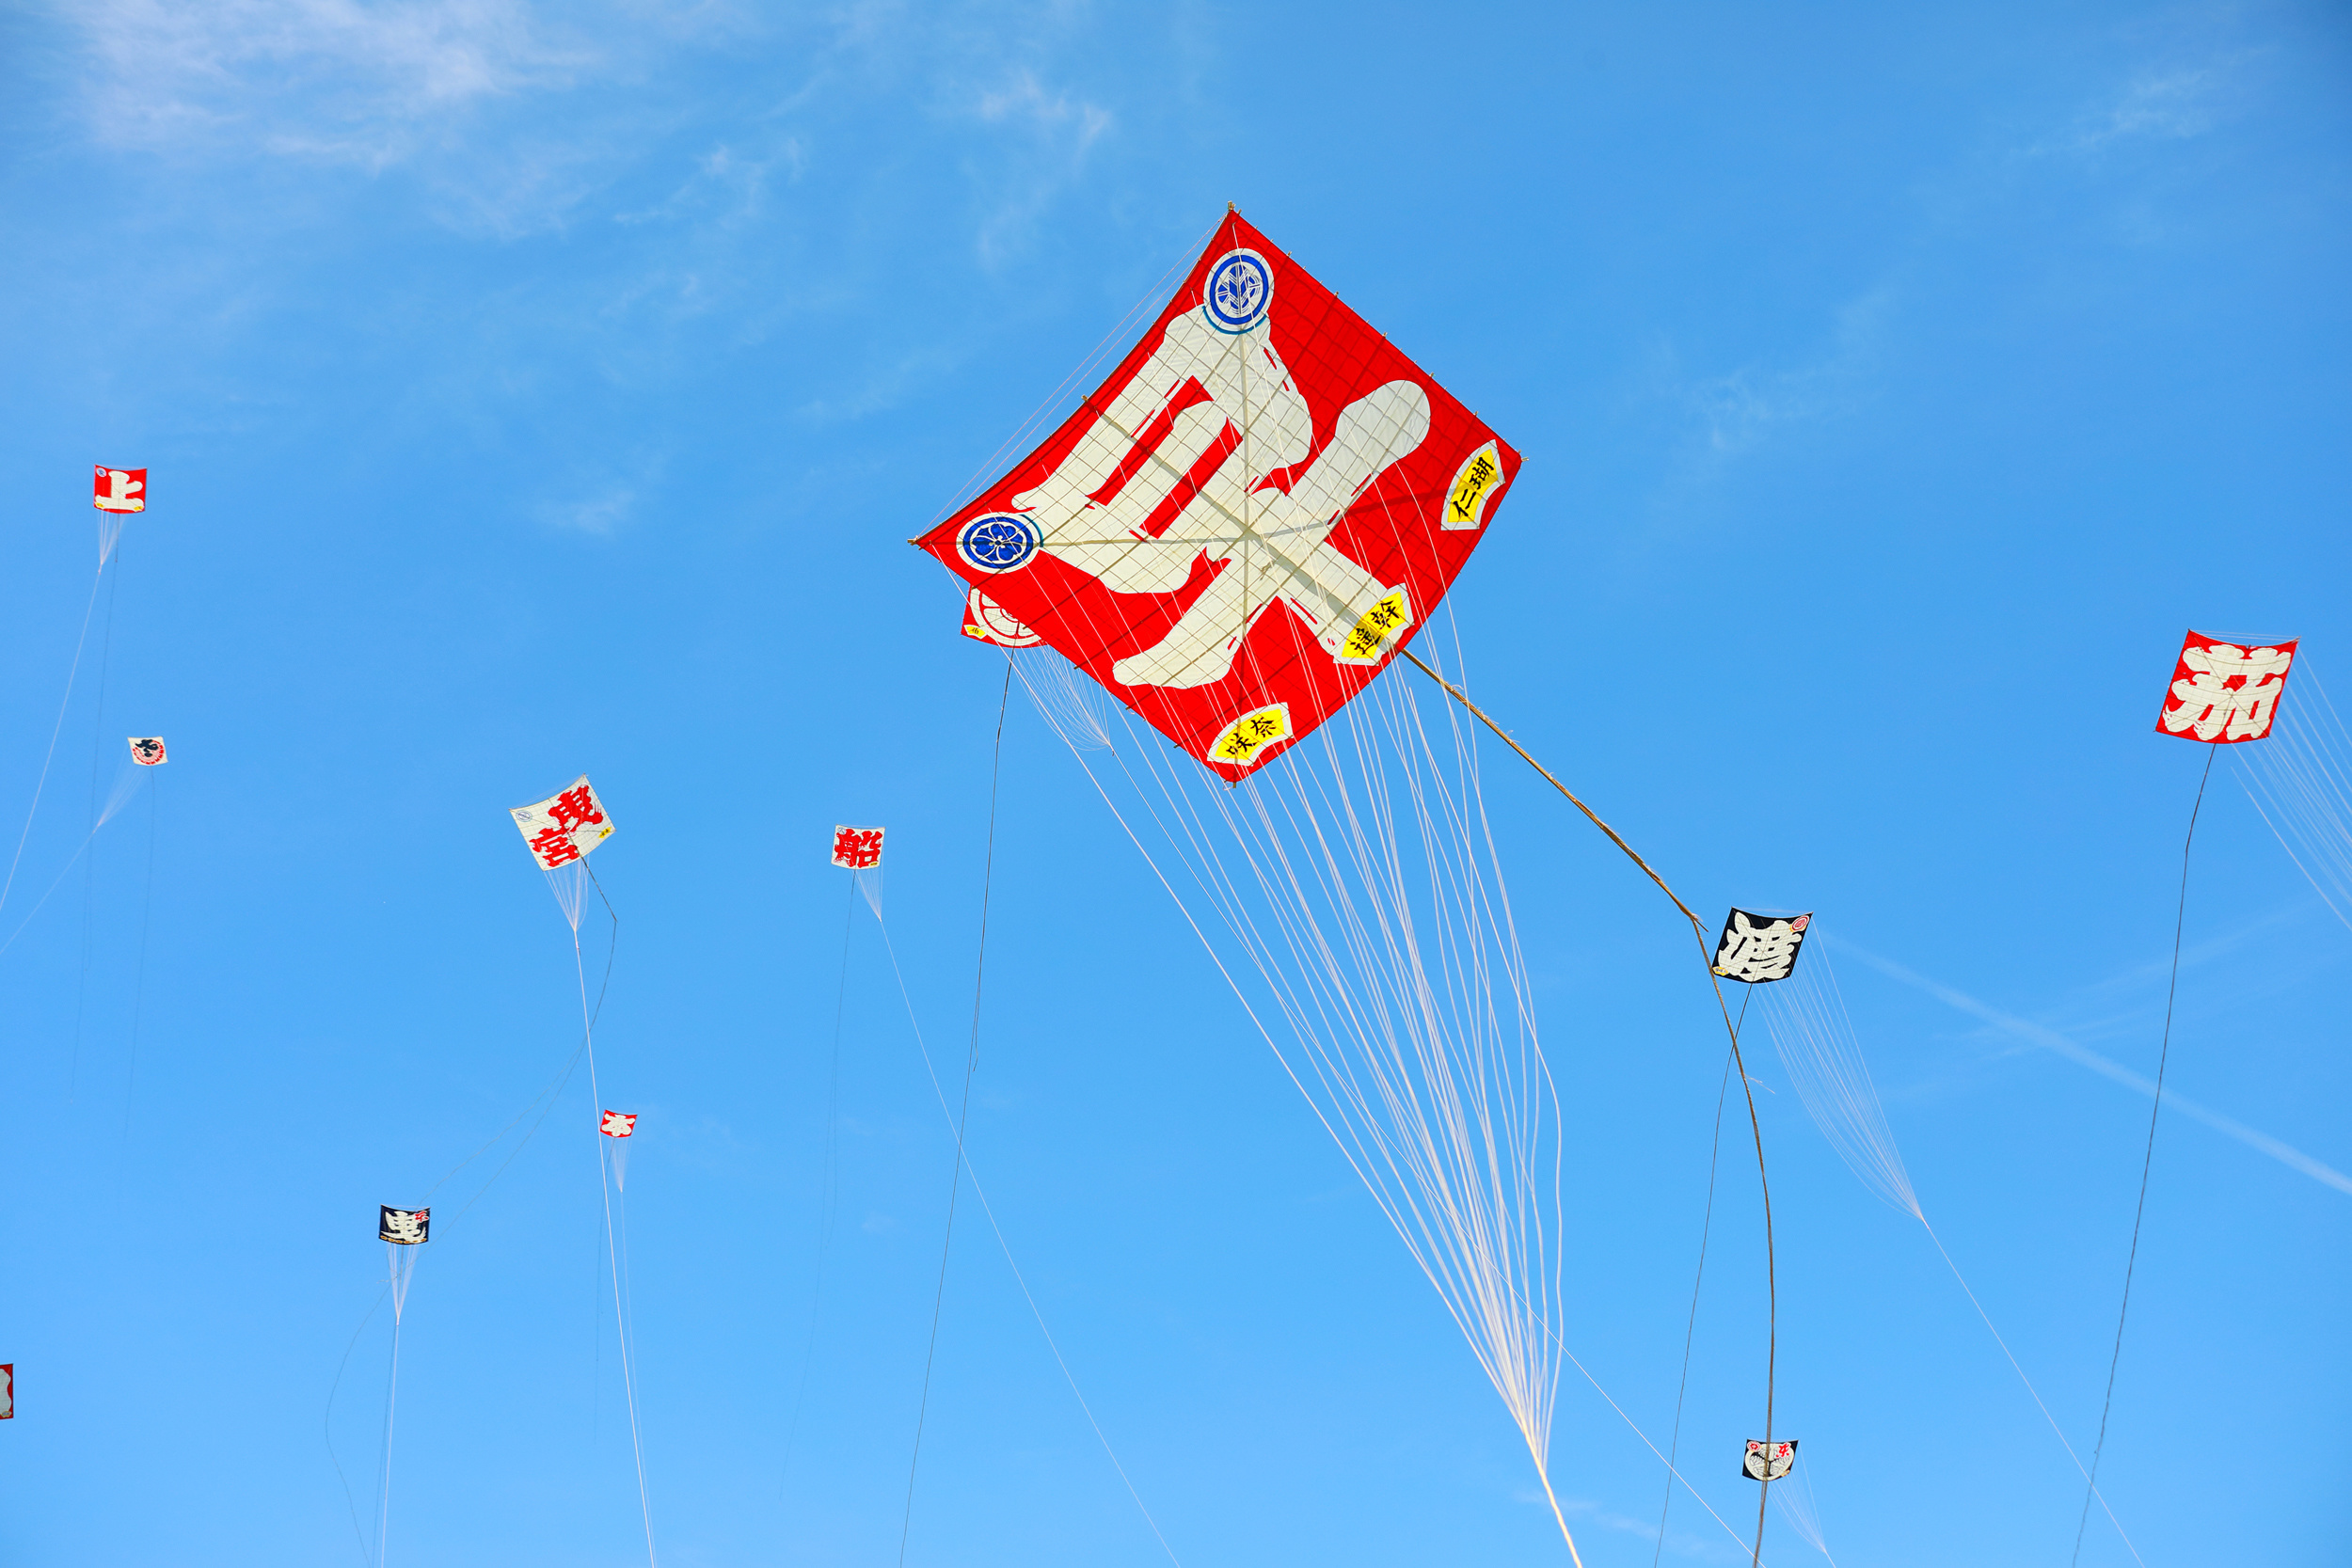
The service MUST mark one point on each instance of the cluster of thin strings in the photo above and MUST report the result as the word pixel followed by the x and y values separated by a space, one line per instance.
pixel 1794 1494
pixel 1074 707
pixel 1358 878
pixel 2300 780
pixel 1810 1028
pixel 568 882
pixel 402 1262
pixel 1815 1037
pixel 109 531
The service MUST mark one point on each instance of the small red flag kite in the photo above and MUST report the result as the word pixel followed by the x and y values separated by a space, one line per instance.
pixel 619 1124
pixel 8 1390
pixel 1238 529
pixel 2222 694
pixel 121 489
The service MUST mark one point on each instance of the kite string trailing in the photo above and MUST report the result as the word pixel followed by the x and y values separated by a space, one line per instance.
pixel 988 1211
pixel 832 1168
pixel 604 1189
pixel 1807 1017
pixel 1426 1103
pixel 2300 783
pixel 1698 1277
pixel 57 729
pixel 1250 1010
pixel 971 1064
pixel 2148 1158
pixel 1698 929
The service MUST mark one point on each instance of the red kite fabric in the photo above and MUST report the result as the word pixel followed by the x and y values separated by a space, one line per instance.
pixel 119 489
pixel 985 621
pixel 1240 527
pixel 2223 693
pixel 857 848
pixel 619 1124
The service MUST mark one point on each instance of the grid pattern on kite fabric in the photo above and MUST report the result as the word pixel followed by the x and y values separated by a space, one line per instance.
pixel 2300 780
pixel 1238 528
pixel 1810 1028
pixel 1358 882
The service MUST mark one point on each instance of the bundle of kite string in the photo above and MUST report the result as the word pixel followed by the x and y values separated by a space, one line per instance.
pixel 1356 877
pixel 2300 780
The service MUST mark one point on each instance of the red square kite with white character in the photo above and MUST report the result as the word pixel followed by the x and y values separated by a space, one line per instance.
pixel 1241 526
pixel 2224 693
pixel 119 489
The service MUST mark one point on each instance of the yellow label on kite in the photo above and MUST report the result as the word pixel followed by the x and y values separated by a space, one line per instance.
pixel 1473 488
pixel 1245 737
pixel 1390 614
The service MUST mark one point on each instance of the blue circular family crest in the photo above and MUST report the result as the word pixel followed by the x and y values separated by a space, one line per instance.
pixel 998 542
pixel 1239 290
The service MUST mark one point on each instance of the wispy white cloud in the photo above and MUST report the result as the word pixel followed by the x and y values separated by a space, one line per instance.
pixel 1741 410
pixel 331 79
pixel 2158 106
pixel 601 512
pixel 1059 129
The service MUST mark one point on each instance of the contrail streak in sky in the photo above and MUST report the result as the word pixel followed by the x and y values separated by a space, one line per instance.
pixel 2024 1029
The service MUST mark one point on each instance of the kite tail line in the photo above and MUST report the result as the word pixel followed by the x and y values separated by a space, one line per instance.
pixel 2147 1160
pixel 604 1189
pixel 971 1064
pixel 833 1180
pixel 54 730
pixel 1699 932
pixel 1698 1277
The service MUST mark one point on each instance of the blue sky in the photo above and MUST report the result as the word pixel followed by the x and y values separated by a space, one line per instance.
pixel 531 390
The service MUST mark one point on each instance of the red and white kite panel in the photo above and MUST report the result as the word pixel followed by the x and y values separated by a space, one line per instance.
pixel 564 827
pixel 857 848
pixel 1257 509
pixel 2223 693
pixel 8 1390
pixel 619 1124
pixel 121 489
pixel 985 620
pixel 148 750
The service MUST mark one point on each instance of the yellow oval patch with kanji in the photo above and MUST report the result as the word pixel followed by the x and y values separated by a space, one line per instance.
pixel 1245 738
pixel 1473 486
pixel 1378 629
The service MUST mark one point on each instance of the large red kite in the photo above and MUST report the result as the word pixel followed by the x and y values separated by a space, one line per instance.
pixel 2222 694
pixel 1239 528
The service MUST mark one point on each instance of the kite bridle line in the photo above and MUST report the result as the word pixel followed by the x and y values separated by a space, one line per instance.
pixel 1698 1277
pixel 2148 1160
pixel 971 1066
pixel 1699 932
pixel 57 729
pixel 604 1190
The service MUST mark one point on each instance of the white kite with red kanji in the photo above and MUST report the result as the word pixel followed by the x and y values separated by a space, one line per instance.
pixel 565 826
pixel 857 848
